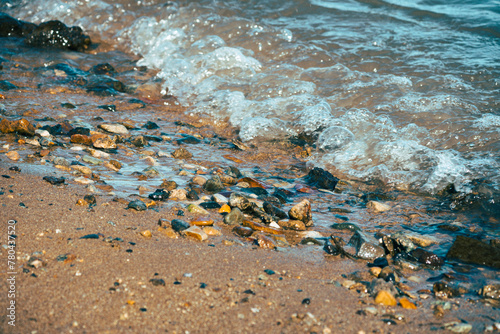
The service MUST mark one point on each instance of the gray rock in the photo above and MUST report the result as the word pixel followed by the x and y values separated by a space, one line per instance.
pixel 179 225
pixel 137 205
pixel 240 201
pixel 378 284
pixel 214 184
pixel 234 217
pixel 366 247
pixel 182 153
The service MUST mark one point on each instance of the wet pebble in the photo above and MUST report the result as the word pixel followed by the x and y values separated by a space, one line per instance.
pixel 22 127
pixel 13 155
pixel 384 297
pixel 54 180
pixel 490 291
pixel 178 194
pixel 193 208
pixel 138 141
pixel 243 231
pixel 137 205
pixel 179 225
pixel 444 290
pixel 114 128
pixel 426 257
pixel 295 225
pixel 188 139
pixel 182 153
pixel 377 206
pixel 159 195
pixel 196 232
pixel 157 281
pixel 214 184
pixel 302 212
pixel 168 185
pixel 146 234
pixel 104 142
pixel 366 247
pixel 321 178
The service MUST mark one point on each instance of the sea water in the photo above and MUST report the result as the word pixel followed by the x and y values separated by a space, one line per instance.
pixel 406 93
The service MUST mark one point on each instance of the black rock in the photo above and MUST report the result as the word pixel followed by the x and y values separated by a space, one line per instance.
pixel 55 34
pixel 282 194
pixel 331 248
pixel 188 140
pixel 103 69
pixel 91 236
pixel 90 199
pixel 210 205
pixel 137 205
pixel 10 27
pixel 179 225
pixel 68 105
pixel 444 290
pixel 5 85
pixel 159 195
pixel 234 172
pixel 108 107
pixel 474 251
pixel 422 256
pixel 157 281
pixel 150 125
pixel 321 178
pixel 192 195
pixel 78 131
pixel 366 247
pixel 255 190
pixel 274 211
pixel 345 226
pixel 379 262
pixel 54 130
pixel 156 139
pixel 54 180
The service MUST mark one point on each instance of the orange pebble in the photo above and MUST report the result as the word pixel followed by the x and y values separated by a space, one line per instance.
pixel 405 303
pixel 225 209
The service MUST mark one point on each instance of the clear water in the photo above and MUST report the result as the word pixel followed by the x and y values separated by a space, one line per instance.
pixel 401 92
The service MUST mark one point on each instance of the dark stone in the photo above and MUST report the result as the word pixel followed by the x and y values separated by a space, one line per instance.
pixel 10 27
pixel 55 34
pixel 91 236
pixel 210 205
pixel 150 125
pixel 55 130
pixel 346 226
pixel 243 231
pixel 108 107
pixel 443 290
pixel 379 262
pixel 54 180
pixel 321 178
pixel 137 205
pixel 182 153
pixel 169 185
pixel 5 85
pixel 159 195
pixel 306 301
pixel 192 195
pixel 331 248
pixel 179 225
pixel 157 281
pixel 68 105
pixel 388 275
pixel 366 247
pixel 422 256
pixel 269 271
pixel 474 251
pixel 156 139
pixel 255 190
pixel 214 184
pixel 78 131
pixel 282 194
pixel 90 199
pixel 138 141
pixel 15 169
pixel 188 140
pixel 274 211
pixel 234 172
pixel 103 69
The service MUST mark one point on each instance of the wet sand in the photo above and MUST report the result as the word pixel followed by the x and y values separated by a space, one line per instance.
pixel 105 287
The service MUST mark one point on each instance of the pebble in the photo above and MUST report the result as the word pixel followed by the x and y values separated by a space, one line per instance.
pixel 168 185
pixel 61 161
pixel 179 225
pixel 212 231
pixel 243 231
pixel 302 211
pixel 199 180
pixel 214 184
pixel 193 208
pixel 54 180
pixel 202 222
pixel 105 142
pixel 83 180
pixel 225 209
pixel 169 232
pixel 157 281
pixel 221 199
pixel 178 194
pixel 196 232
pixel 375 271
pixel 385 298
pixel 377 206
pixel 295 225
pixel 182 153
pixel 490 291
pixel 260 227
pixel 146 233
pixel 92 160
pixel 321 178
pixel 137 205
pixel 458 327
pixel 151 172
pixel 159 195
pixel 405 303
pixel 13 155
pixel 114 128
pixel 98 154
pixel 265 242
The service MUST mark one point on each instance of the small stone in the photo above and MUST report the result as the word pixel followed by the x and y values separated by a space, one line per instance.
pixel 168 185
pixel 243 231
pixel 98 154
pixel 458 327
pixel 81 139
pixel 104 142
pixel 265 242
pixel 196 232
pixel 375 271
pixel 82 202
pixel 225 209
pixel 444 291
pixel 426 257
pixel 192 195
pixel 321 178
pixel 92 160
pixel 146 234
pixel 193 208
pixel 151 172
pixel 178 194
pixel 389 275
pixel 295 225
pixel 405 303
pixel 260 227
pixel 377 206
pixel 137 205
pixel 366 247
pixel 169 232
pixel 13 155
pixel 61 161
pixel 114 128
pixel 182 153
pixel 302 211
pixel 212 231
pixel 490 291
pixel 474 251
pixel 159 195
pixel 179 225
pixel 214 184
pixel 199 180
pixel 54 180
pixel 385 298
pixel 202 222
pixel 157 282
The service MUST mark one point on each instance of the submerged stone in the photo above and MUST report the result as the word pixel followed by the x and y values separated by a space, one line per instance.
pixel 422 256
pixel 182 153
pixel 366 246
pixel 321 178
pixel 56 34
pixel 474 251
pixel 214 184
